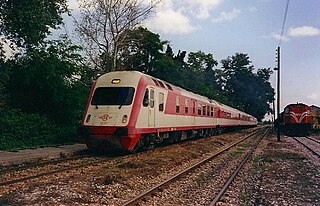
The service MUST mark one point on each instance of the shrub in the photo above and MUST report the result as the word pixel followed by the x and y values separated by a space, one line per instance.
pixel 19 130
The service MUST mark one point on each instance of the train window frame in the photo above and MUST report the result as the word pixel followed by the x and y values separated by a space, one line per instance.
pixel 208 111
pixel 204 110
pixel 113 96
pixel 199 109
pixel 177 104
pixel 145 102
pixel 211 111
pixel 161 102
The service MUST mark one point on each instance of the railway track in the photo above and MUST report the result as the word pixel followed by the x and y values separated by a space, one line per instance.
pixel 165 184
pixel 308 143
pixel 31 171
pixel 59 166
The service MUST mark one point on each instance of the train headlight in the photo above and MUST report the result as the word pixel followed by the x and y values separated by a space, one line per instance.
pixel 124 118
pixel 88 118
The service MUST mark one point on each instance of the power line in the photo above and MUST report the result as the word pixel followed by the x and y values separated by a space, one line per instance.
pixel 284 22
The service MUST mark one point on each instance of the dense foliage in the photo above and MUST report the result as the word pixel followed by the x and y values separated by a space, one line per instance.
pixel 28 22
pixel 44 87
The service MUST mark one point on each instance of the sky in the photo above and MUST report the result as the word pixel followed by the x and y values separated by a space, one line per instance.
pixel 226 27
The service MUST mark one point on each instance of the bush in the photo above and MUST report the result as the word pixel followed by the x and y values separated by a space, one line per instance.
pixel 19 130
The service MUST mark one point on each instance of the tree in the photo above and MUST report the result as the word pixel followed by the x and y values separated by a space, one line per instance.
pixel 248 91
pixel 28 22
pixel 47 81
pixel 103 25
pixel 142 50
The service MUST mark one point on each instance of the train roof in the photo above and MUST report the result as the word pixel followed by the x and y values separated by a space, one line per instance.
pixel 296 104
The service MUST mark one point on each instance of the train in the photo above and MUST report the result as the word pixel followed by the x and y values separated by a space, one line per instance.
pixel 296 120
pixel 315 113
pixel 132 111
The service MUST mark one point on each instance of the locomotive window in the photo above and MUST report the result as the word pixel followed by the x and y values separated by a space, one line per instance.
pixel 211 111
pixel 204 110
pixel 113 96
pixel 186 108
pixel 208 111
pixel 161 102
pixel 178 105
pixel 145 102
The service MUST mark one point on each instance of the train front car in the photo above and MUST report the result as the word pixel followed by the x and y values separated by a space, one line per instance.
pixel 108 122
pixel 297 119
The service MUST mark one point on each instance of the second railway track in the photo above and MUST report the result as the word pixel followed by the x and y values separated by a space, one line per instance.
pixel 310 144
pixel 168 182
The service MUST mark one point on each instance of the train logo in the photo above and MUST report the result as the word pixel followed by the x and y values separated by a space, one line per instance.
pixel 105 117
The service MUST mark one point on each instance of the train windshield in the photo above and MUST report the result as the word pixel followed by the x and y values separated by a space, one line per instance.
pixel 113 96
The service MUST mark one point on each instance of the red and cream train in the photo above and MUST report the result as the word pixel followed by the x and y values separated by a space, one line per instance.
pixel 130 110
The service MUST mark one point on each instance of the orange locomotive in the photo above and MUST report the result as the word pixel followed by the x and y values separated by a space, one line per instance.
pixel 296 119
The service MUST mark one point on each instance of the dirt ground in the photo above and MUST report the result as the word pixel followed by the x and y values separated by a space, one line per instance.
pixel 279 173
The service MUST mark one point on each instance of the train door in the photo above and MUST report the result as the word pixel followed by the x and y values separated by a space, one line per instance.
pixel 194 112
pixel 151 108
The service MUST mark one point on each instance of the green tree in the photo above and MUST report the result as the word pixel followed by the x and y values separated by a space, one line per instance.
pixel 28 22
pixel 142 50
pixel 47 80
pixel 248 91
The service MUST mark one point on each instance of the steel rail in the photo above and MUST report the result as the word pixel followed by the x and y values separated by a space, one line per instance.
pixel 236 172
pixel 185 171
pixel 307 147
pixel 314 140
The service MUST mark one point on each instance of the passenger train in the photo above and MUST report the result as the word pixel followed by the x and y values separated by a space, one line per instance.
pixel 131 111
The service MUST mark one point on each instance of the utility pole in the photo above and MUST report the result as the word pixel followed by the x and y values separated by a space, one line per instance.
pixel 278 93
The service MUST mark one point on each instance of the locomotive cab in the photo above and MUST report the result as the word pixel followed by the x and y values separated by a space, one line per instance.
pixel 109 110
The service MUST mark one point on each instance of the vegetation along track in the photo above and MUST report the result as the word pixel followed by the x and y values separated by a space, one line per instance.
pixel 171 180
pixel 307 142
pixel 20 174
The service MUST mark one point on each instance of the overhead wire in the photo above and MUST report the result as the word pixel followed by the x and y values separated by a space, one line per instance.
pixel 284 22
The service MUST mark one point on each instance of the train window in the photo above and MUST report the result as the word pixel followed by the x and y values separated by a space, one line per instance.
pixel 145 102
pixel 113 96
pixel 204 110
pixel 161 102
pixel 151 98
pixel 208 111
pixel 287 110
pixel 186 108
pixel 211 112
pixel 177 104
pixel 199 109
